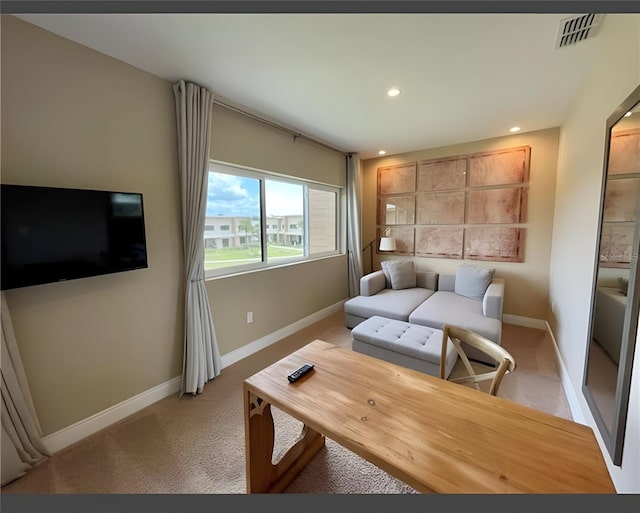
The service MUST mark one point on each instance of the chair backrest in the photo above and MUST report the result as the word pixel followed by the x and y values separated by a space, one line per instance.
pixel 505 363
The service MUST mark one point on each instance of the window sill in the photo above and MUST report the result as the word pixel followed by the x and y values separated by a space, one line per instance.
pixel 270 267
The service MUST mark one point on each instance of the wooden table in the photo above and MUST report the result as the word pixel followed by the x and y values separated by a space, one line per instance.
pixel 434 435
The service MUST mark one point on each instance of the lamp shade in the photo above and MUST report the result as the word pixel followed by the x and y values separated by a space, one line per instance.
pixel 387 244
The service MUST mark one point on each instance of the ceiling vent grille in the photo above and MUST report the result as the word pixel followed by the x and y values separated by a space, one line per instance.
pixel 578 28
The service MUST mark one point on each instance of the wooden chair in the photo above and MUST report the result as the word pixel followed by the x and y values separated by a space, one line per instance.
pixel 505 363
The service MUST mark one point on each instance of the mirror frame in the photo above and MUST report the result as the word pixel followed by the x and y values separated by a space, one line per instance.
pixel 614 439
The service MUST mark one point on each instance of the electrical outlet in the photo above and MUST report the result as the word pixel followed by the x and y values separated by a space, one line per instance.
pixel 249 317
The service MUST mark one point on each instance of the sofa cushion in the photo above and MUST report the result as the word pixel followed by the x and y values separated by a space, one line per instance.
pixel 400 273
pixel 451 308
pixel 394 304
pixel 472 281
pixel 447 282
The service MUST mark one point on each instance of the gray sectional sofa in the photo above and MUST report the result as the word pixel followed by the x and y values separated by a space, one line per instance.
pixel 432 302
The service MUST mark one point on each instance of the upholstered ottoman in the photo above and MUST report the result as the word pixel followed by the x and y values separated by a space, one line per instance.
pixel 410 345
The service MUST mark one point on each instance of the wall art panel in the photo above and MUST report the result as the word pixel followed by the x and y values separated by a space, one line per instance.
pixel 449 207
pixel 624 152
pixel 440 208
pixel 439 241
pixel 503 167
pixel 616 245
pixel 500 244
pixel 621 199
pixel 442 174
pixel 396 209
pixel 491 206
pixel 397 179
pixel 404 236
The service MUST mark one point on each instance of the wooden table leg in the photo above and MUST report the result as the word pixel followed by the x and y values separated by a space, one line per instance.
pixel 262 475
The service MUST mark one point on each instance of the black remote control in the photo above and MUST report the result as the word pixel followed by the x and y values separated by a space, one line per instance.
pixel 298 373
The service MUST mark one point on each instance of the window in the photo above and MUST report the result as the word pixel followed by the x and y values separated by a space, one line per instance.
pixel 267 220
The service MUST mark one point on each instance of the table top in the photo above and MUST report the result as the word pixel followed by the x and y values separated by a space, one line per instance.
pixel 435 435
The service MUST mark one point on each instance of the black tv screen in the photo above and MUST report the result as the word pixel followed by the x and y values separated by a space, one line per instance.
pixel 52 234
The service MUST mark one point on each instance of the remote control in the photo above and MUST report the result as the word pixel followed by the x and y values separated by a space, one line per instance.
pixel 298 373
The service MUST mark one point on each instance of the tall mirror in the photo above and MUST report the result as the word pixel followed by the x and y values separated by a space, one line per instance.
pixel 616 290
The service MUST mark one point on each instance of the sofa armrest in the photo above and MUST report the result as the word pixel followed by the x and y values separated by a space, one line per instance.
pixel 372 283
pixel 494 299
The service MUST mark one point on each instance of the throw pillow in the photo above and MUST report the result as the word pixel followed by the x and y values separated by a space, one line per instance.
pixel 472 281
pixel 401 273
pixel 385 269
pixel 384 265
pixel 623 285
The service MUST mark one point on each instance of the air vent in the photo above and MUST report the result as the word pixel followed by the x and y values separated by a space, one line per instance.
pixel 578 28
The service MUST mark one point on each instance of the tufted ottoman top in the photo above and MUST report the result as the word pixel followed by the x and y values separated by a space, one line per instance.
pixel 416 341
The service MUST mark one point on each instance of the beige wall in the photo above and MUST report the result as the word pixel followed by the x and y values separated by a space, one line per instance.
pixel 526 291
pixel 280 296
pixel 238 139
pixel 72 117
pixel 614 75
pixel 277 297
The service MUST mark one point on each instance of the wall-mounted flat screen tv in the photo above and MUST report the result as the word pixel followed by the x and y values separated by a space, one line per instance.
pixel 52 234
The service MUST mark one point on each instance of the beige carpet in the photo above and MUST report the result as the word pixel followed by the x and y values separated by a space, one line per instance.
pixel 195 445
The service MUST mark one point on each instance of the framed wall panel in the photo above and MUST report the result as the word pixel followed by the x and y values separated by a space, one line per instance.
pixel 491 206
pixel 510 166
pixel 616 246
pixel 499 244
pixel 396 209
pixel 450 207
pixel 621 199
pixel 397 179
pixel 440 208
pixel 435 175
pixel 439 241
pixel 404 236
pixel 624 151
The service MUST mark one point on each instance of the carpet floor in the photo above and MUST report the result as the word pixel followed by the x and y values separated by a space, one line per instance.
pixel 195 444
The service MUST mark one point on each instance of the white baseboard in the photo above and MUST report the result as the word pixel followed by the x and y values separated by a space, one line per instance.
pixel 255 346
pixel 525 322
pixel 83 428
pixel 569 391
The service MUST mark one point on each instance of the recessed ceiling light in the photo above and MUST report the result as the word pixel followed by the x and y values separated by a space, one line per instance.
pixel 394 91
pixel 514 129
pixel 627 114
pixel 382 152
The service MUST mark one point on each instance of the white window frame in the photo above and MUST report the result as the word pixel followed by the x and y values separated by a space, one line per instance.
pixel 262 176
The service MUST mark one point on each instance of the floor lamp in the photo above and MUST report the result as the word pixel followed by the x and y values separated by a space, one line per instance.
pixel 387 243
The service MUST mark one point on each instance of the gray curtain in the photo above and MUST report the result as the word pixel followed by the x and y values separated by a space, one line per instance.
pixel 201 358
pixel 354 242
pixel 22 445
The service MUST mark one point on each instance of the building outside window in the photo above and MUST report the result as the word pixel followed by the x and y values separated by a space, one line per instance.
pixel 266 220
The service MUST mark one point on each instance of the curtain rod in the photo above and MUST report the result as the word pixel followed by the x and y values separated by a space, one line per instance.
pixel 296 135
